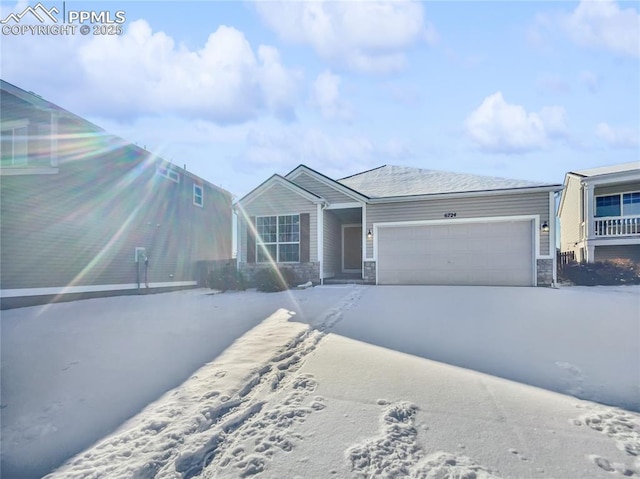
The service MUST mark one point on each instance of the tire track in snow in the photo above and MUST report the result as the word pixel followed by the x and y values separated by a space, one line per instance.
pixel 196 425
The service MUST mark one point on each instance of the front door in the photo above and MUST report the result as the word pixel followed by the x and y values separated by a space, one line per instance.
pixel 351 248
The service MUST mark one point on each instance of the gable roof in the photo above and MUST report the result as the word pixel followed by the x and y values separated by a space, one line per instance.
pixel 608 170
pixel 392 181
pixel 277 180
pixel 345 189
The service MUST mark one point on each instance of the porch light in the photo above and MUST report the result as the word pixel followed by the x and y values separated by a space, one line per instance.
pixel 369 234
pixel 545 227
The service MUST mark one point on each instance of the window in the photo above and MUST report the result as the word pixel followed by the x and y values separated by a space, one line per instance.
pixel 168 173
pixel 631 204
pixel 608 205
pixel 198 196
pixel 278 238
pixel 625 204
pixel 15 150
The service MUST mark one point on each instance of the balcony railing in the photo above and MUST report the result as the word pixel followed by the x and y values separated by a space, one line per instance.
pixel 618 226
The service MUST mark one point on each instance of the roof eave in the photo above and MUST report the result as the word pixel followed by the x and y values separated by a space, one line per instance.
pixel 347 190
pixel 465 194
pixel 258 190
pixel 633 175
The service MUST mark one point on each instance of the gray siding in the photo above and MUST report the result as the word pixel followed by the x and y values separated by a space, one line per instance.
pixel 327 192
pixel 81 226
pixel 279 200
pixel 471 207
pixel 619 188
pixel 332 264
pixel 604 253
pixel 571 216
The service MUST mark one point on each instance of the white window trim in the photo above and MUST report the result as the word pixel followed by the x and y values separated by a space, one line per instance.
pixel 12 126
pixel 168 173
pixel 621 195
pixel 196 195
pixel 277 243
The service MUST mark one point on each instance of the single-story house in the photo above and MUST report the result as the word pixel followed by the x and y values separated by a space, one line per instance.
pixel 85 213
pixel 401 225
pixel 600 213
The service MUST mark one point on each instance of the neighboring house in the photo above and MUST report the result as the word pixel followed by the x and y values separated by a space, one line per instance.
pixel 85 213
pixel 600 213
pixel 398 225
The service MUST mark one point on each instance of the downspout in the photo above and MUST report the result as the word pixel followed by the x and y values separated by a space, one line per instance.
pixel 554 239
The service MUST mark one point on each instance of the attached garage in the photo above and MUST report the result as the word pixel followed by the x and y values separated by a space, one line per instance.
pixel 497 252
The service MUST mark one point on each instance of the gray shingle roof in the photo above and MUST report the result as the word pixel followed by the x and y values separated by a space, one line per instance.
pixel 388 181
pixel 607 170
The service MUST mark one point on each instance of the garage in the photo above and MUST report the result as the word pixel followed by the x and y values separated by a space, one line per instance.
pixel 489 253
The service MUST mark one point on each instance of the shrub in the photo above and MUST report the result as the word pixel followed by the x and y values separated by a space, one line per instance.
pixel 612 272
pixel 226 278
pixel 274 279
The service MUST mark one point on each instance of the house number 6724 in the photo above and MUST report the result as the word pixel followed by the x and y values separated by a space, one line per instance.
pixel 449 215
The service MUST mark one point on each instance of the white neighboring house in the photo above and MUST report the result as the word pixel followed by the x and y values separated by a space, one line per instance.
pixel 600 213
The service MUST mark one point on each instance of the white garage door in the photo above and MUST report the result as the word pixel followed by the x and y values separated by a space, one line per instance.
pixel 496 253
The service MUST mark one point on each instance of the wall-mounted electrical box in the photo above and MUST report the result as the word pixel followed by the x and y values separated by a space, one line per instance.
pixel 140 254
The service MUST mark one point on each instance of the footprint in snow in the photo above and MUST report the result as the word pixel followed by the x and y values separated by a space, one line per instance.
pixel 621 426
pixel 395 452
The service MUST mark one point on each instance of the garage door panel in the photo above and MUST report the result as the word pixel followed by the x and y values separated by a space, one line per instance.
pixel 492 253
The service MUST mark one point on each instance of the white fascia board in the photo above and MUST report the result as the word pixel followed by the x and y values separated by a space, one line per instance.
pixel 622 176
pixel 629 240
pixel 342 206
pixel 466 194
pixel 326 181
pixel 23 292
pixel 270 183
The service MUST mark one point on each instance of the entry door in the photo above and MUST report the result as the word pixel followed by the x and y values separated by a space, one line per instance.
pixel 352 248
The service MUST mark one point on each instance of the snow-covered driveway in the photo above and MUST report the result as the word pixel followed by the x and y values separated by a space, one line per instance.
pixel 583 341
pixel 324 387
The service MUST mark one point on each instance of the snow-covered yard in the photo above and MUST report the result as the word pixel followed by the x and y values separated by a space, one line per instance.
pixel 327 382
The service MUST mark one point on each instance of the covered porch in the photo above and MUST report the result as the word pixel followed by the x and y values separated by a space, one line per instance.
pixel 343 238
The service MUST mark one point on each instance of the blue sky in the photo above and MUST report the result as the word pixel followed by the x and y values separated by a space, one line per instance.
pixel 239 91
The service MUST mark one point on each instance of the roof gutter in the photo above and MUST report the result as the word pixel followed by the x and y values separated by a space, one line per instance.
pixel 466 194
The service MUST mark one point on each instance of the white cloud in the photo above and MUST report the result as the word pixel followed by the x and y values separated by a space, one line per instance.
pixel 618 137
pixel 282 149
pixel 325 95
pixel 143 72
pixel 500 127
pixel 360 35
pixel 603 24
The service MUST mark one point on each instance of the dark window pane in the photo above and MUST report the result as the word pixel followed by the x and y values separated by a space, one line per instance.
pixel 608 206
pixel 289 253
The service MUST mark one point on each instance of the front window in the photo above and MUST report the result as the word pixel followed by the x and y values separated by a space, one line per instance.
pixel 608 205
pixel 278 238
pixel 631 204
pixel 625 204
